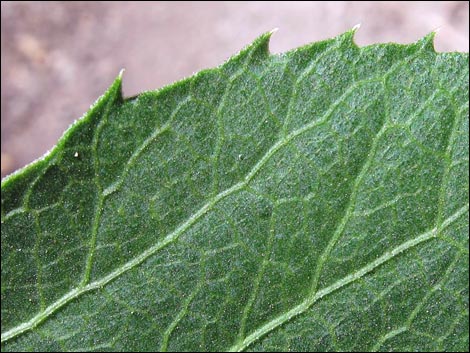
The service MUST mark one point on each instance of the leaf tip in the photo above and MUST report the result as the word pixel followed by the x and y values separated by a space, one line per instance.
pixel 116 87
pixel 261 43
pixel 427 42
pixel 356 27
pixel 259 49
pixel 121 73
pixel 348 37
pixel 271 32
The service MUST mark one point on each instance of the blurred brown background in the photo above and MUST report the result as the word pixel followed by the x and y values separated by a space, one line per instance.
pixel 58 57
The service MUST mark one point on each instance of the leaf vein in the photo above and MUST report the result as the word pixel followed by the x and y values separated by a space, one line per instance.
pixel 308 302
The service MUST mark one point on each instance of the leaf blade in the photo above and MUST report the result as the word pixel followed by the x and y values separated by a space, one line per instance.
pixel 178 175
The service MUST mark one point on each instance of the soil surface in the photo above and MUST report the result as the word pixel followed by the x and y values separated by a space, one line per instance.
pixel 58 57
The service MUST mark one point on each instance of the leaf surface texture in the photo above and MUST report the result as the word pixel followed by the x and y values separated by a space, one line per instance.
pixel 315 200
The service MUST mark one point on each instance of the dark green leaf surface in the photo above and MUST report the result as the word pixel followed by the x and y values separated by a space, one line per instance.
pixel 313 200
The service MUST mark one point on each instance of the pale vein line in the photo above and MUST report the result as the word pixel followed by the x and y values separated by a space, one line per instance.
pixel 429 294
pixel 307 303
pixel 157 132
pixel 281 143
pixel 388 336
pixel 193 218
pixel 448 164
pixel 349 208
pixel 178 318
pixel 177 232
pixel 259 277
pixel 14 212
pixel 358 181
pixel 301 77
pixel 418 307
pixel 100 200
pixel 220 132
pixel 450 329
pixel 126 267
pixel 368 212
pixel 354 194
pixel 38 263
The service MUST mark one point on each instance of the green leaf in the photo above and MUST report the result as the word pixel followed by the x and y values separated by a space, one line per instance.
pixel 313 200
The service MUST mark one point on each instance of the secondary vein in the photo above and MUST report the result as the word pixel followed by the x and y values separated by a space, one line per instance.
pixel 36 320
pixel 184 226
pixel 307 303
